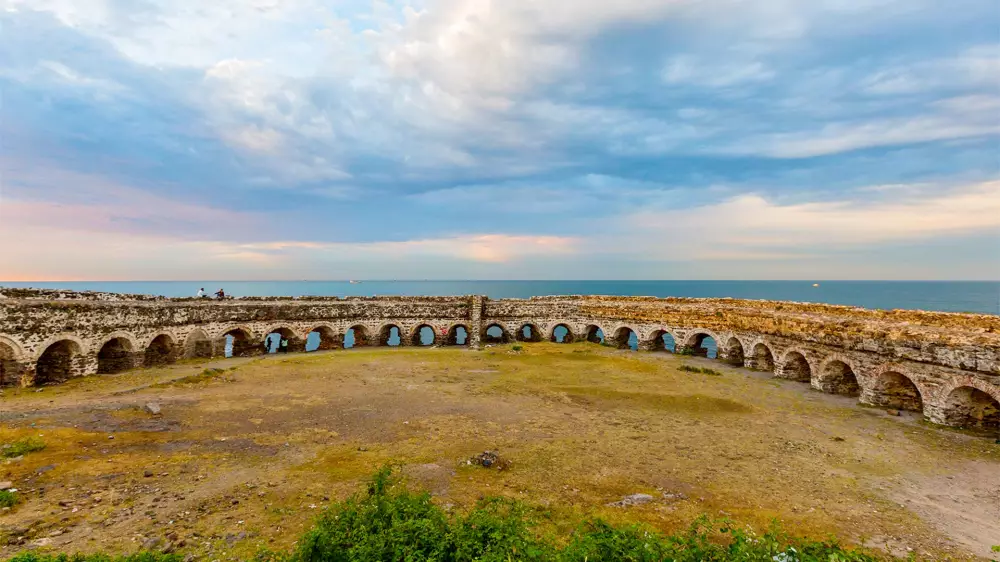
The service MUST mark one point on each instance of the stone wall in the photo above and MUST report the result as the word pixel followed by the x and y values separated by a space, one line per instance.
pixel 945 365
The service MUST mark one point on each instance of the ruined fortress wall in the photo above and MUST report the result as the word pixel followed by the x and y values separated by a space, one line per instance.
pixel 946 365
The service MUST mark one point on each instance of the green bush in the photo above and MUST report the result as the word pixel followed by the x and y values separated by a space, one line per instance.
pixel 702 370
pixel 517 348
pixel 8 499
pixel 22 447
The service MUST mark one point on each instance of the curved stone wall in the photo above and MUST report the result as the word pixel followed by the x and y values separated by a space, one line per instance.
pixel 944 365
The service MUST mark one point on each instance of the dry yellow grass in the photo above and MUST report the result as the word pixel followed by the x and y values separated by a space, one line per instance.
pixel 246 458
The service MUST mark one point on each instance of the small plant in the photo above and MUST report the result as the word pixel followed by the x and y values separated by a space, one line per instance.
pixel 22 447
pixel 517 348
pixel 8 498
pixel 702 370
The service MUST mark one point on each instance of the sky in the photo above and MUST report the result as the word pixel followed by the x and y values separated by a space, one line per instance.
pixel 513 139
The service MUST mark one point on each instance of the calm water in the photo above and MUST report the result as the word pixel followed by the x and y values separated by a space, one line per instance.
pixel 952 296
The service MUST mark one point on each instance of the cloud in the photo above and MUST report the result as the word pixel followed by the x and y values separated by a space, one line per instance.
pixel 488 134
pixel 750 226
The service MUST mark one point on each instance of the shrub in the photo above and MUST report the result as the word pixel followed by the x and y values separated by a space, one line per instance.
pixel 702 370
pixel 517 348
pixel 22 447
pixel 8 498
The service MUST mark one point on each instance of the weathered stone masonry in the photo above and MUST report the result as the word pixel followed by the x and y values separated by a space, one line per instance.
pixel 944 365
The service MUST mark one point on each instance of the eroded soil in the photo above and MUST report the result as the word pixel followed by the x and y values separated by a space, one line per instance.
pixel 244 459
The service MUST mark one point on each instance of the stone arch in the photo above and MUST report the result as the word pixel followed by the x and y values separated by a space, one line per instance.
pixel 534 335
pixel 795 366
pixel 360 336
pixel 695 340
pixel 416 337
pixel 58 360
pixel 732 351
pixel 385 333
pixel 117 354
pixel 892 387
pixel 243 345
pixel 973 407
pixel 457 337
pixel 504 336
pixel 197 344
pixel 161 350
pixel 284 331
pixel 11 356
pixel 967 401
pixel 660 339
pixel 328 337
pixel 761 357
pixel 595 334
pixel 229 329
pixel 621 337
pixel 16 352
pixel 567 338
pixel 837 375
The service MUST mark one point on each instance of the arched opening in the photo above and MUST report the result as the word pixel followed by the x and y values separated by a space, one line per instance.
pixel 115 356
pixel 595 334
pixel 273 341
pixel 322 338
pixel 495 334
pixel 458 335
pixel 661 341
pixel 424 336
pixel 56 363
pixel 796 367
pixel 702 345
pixel 837 377
pixel 197 345
pixel 895 390
pixel 240 344
pixel 390 335
pixel 356 336
pixel 972 408
pixel 529 333
pixel 161 351
pixel 763 359
pixel 626 338
pixel 562 334
pixel 10 372
pixel 734 352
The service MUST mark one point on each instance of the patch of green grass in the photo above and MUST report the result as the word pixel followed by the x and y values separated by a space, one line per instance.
pixel 22 447
pixel 702 370
pixel 8 498
pixel 517 348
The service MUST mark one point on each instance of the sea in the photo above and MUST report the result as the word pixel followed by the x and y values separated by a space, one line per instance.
pixel 949 296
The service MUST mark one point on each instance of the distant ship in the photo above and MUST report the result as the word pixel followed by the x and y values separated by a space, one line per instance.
pixel 353 282
pixel 814 284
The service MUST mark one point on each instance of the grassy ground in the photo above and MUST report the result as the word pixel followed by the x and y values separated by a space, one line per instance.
pixel 246 453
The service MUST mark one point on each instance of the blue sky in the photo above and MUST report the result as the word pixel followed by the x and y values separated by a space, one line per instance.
pixel 300 139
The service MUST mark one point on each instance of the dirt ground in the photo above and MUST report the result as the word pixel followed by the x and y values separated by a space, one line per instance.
pixel 247 457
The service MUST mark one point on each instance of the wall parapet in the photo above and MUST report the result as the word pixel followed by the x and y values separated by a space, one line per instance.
pixel 47 336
